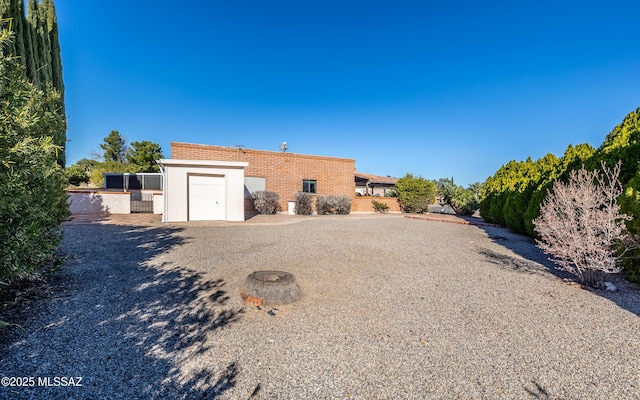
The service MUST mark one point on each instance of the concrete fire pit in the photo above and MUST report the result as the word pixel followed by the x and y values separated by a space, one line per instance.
pixel 273 287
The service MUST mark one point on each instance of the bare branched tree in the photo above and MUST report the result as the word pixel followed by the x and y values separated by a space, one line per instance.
pixel 580 224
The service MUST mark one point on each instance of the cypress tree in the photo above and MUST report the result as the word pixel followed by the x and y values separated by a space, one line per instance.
pixel 36 41
pixel 56 60
pixel 18 28
pixel 43 32
pixel 30 58
pixel 51 24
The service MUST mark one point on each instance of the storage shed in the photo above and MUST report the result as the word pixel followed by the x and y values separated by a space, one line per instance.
pixel 203 190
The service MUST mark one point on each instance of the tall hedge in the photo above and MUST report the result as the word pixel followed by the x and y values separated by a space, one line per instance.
pixel 513 195
pixel 33 201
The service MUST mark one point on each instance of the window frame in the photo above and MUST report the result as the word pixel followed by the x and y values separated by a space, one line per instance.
pixel 311 185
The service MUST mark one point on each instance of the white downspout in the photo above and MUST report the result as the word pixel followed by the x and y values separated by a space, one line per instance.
pixel 164 193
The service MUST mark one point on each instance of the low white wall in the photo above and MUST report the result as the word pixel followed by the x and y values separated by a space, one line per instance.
pixel 99 202
pixel 158 203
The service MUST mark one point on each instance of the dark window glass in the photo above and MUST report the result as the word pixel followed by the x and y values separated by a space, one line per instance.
pixel 310 186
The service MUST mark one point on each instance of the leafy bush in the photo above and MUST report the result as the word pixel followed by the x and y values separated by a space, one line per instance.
pixel 266 202
pixel 415 193
pixel 379 207
pixel 332 204
pixel 304 203
pixel 630 205
pixel 76 175
pixel 33 201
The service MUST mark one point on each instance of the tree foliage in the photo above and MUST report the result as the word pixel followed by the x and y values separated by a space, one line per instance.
pixel 462 201
pixel 145 154
pixel 117 157
pixel 114 147
pixel 37 48
pixel 33 202
pixel 415 193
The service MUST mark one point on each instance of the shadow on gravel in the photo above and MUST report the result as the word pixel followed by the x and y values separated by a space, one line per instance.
pixel 534 261
pixel 124 320
pixel 538 392
pixel 522 265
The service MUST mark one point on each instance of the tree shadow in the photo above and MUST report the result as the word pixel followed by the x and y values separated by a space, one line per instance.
pixel 124 319
pixel 538 392
pixel 534 261
pixel 85 201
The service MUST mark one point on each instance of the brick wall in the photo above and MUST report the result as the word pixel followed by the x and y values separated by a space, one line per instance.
pixel 363 204
pixel 283 172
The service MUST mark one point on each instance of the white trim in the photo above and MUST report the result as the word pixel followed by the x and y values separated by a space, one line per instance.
pixel 203 163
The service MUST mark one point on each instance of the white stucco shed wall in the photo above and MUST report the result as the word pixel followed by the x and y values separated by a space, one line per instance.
pixel 176 186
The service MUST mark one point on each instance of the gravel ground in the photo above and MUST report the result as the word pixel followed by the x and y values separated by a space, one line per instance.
pixel 392 308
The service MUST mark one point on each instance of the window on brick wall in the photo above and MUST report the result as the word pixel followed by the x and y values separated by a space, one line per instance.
pixel 310 186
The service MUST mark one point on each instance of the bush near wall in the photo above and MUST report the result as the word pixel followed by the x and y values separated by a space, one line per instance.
pixel 304 203
pixel 332 204
pixel 266 202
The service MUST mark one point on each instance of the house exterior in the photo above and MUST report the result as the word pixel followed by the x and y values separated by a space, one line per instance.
pixel 280 172
pixel 373 185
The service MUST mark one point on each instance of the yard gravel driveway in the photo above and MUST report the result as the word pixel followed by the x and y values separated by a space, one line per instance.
pixel 392 308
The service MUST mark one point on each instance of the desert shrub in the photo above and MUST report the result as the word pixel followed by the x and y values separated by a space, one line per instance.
pixel 379 207
pixel 304 203
pixel 266 202
pixel 332 204
pixel 580 224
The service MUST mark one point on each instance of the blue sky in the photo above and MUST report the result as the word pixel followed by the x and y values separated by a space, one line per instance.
pixel 437 89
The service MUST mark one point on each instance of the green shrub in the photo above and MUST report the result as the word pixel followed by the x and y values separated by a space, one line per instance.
pixel 76 175
pixel 415 193
pixel 304 203
pixel 379 207
pixel 332 204
pixel 33 201
pixel 266 202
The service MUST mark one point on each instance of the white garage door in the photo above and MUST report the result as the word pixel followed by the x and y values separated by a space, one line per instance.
pixel 206 198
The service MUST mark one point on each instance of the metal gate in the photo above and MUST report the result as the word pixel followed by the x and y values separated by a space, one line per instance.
pixel 141 202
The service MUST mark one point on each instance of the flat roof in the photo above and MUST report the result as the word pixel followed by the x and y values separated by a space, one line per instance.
pixel 170 162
